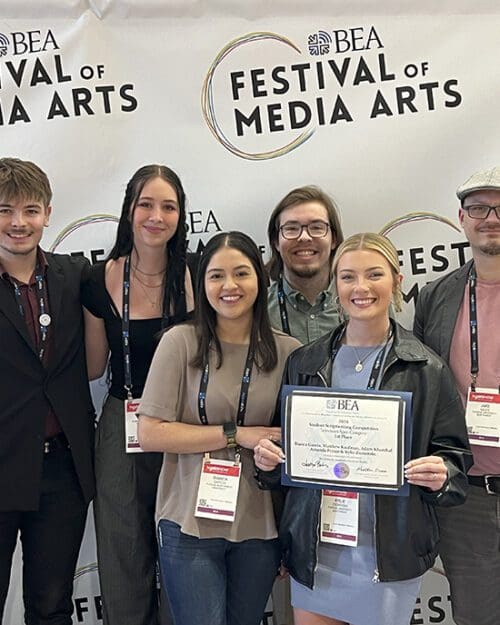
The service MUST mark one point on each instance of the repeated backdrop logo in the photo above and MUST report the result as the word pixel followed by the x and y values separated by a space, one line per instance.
pixel 441 248
pixel 37 82
pixel 93 235
pixel 302 88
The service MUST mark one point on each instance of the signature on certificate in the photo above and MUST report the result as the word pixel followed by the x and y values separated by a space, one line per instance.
pixel 317 463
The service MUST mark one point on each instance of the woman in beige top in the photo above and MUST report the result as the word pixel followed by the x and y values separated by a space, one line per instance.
pixel 209 398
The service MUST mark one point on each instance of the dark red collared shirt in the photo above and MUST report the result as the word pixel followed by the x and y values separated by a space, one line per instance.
pixel 31 307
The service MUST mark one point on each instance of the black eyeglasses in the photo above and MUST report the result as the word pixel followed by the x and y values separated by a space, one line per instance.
pixel 481 211
pixel 293 230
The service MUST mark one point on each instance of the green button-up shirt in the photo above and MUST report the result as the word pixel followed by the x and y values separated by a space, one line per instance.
pixel 307 322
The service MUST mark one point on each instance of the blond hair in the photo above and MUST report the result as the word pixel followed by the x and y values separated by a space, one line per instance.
pixel 374 242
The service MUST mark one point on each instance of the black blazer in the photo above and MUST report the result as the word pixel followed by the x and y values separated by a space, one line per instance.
pixel 27 389
pixel 437 308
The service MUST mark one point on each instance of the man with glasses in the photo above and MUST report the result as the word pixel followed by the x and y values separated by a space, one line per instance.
pixel 458 317
pixel 304 231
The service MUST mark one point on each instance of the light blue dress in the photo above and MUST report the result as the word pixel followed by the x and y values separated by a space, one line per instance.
pixel 344 586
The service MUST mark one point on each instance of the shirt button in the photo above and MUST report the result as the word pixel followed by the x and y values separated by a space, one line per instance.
pixel 313 316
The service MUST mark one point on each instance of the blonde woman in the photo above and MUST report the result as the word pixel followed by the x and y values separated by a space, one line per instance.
pixel 378 580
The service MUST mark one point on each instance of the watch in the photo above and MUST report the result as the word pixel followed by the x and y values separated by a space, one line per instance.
pixel 229 430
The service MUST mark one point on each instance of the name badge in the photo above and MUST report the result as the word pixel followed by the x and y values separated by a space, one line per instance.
pixel 483 416
pixel 339 517
pixel 218 489
pixel 131 421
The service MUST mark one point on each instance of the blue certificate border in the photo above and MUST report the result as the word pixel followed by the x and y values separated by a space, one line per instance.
pixel 403 491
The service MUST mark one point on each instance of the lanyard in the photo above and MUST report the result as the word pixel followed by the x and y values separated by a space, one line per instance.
pixel 44 319
pixel 473 329
pixel 282 306
pixel 245 383
pixel 372 380
pixel 127 362
pixel 473 343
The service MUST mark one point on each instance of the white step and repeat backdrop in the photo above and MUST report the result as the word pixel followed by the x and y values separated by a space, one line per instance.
pixel 387 105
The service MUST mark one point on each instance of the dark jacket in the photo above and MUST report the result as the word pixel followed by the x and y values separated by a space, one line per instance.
pixel 28 389
pixel 437 309
pixel 406 529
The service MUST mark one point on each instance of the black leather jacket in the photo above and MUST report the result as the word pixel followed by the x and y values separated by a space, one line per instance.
pixel 406 529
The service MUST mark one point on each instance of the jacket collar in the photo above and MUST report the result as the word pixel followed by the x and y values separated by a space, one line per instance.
pixel 404 347
pixel 55 285
pixel 455 290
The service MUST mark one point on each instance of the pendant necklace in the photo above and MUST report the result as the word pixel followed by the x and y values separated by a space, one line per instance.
pixel 358 367
pixel 153 302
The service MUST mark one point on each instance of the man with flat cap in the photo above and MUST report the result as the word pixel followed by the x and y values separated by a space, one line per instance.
pixel 458 316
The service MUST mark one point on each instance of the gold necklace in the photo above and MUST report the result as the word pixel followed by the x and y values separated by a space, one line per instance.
pixel 144 273
pixel 150 286
pixel 155 303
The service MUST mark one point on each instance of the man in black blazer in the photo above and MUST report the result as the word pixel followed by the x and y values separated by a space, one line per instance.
pixel 46 412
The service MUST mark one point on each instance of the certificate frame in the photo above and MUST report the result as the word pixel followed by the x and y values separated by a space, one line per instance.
pixel 336 475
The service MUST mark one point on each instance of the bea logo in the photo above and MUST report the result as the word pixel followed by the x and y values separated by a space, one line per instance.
pixel 29 42
pixel 4 44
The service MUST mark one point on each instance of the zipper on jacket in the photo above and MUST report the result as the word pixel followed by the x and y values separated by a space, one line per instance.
pixel 322 378
pixel 318 530
pixel 376 575
pixel 376 572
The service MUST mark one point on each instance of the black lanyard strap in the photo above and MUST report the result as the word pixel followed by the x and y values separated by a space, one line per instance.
pixel 127 360
pixel 243 400
pixel 44 319
pixel 372 380
pixel 282 308
pixel 473 329
pixel 127 364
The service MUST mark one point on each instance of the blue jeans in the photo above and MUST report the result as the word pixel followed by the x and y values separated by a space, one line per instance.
pixel 215 581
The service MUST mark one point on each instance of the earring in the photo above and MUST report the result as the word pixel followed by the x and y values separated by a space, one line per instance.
pixel 339 309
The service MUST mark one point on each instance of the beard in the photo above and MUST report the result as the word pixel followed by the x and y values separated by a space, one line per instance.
pixel 491 249
pixel 305 272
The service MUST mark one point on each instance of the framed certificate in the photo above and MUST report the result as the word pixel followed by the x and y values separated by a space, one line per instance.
pixel 345 439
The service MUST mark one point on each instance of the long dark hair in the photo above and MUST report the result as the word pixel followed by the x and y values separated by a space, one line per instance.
pixel 261 336
pixel 174 290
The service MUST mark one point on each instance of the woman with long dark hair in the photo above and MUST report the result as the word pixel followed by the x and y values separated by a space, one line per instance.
pixel 208 399
pixel 142 288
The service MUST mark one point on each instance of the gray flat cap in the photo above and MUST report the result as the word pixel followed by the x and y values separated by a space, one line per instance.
pixel 486 179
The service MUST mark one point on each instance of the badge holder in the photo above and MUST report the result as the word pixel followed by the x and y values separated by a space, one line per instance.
pixel 131 407
pixel 482 415
pixel 218 488
pixel 339 517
